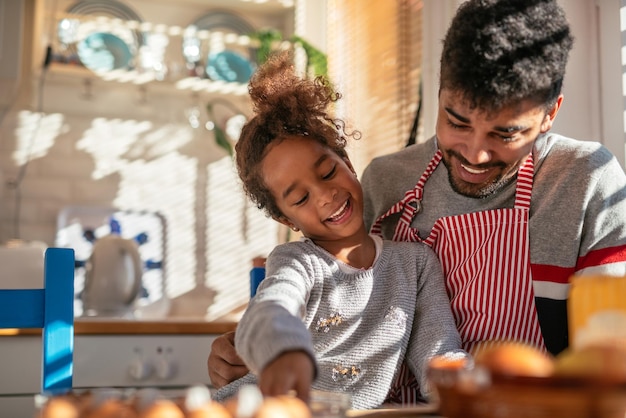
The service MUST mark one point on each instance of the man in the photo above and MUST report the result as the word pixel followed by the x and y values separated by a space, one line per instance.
pixel 512 210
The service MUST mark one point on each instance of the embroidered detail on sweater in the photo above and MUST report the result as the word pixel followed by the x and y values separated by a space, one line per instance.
pixel 396 316
pixel 324 324
pixel 345 372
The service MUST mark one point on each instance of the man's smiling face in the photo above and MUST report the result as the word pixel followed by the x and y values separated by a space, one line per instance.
pixel 483 151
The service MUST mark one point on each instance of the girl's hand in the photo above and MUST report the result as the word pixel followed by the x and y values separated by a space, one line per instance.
pixel 292 370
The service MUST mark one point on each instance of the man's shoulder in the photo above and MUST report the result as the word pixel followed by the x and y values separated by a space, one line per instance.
pixel 410 158
pixel 556 150
pixel 409 153
pixel 407 249
pixel 559 146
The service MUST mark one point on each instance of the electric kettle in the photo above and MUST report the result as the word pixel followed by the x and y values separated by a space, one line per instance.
pixel 112 277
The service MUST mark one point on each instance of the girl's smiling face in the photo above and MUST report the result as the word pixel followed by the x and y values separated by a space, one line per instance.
pixel 482 151
pixel 316 190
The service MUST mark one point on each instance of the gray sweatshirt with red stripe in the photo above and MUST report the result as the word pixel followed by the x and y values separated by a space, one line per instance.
pixel 577 219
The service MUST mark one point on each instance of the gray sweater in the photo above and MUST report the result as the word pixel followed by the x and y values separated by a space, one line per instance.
pixel 358 324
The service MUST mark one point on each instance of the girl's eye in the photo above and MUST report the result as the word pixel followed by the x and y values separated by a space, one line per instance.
pixel 330 173
pixel 301 201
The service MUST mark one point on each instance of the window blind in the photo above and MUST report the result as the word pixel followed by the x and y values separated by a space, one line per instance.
pixel 374 53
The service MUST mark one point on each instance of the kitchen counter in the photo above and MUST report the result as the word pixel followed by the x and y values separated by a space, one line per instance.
pixel 101 327
pixel 167 325
pixel 138 327
pixel 429 410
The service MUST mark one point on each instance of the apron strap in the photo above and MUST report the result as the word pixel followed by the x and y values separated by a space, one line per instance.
pixel 409 206
pixel 524 187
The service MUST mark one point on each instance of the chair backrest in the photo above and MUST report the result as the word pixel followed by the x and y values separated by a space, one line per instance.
pixel 257 274
pixel 51 309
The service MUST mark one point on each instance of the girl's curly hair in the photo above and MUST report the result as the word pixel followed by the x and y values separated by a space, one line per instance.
pixel 499 52
pixel 284 105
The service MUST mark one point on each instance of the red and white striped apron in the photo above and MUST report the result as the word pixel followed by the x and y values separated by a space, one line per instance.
pixel 485 258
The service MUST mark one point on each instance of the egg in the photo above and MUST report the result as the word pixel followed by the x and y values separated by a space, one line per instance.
pixel 210 410
pixel 247 402
pixel 283 406
pixel 198 404
pixel 162 408
pixel 515 359
pixel 112 408
pixel 145 397
pixel 59 407
pixel 449 362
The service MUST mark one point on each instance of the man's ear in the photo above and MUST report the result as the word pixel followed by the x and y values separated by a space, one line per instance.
pixel 548 120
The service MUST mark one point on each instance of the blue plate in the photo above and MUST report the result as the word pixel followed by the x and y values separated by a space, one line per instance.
pixel 102 51
pixel 229 66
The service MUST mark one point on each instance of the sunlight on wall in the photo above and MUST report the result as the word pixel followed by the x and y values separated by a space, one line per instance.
pixel 166 185
pixel 153 177
pixel 35 135
pixel 210 232
pixel 236 232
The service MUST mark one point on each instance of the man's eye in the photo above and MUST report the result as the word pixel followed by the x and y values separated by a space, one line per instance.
pixel 454 125
pixel 330 173
pixel 507 138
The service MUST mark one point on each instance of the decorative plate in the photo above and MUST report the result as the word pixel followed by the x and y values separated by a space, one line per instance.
pixel 220 61
pixel 100 44
pixel 101 51
pixel 230 66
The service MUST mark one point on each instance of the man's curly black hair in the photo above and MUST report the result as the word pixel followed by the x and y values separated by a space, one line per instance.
pixel 284 105
pixel 500 52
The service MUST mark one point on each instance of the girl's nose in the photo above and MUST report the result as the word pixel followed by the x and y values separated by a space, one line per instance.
pixel 326 194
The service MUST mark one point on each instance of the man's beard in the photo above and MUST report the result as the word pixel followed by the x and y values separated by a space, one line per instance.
pixel 477 191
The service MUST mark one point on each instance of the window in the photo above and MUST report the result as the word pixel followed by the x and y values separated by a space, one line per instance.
pixel 374 51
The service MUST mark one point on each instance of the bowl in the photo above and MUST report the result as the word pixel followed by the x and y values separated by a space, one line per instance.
pixel 476 392
pixel 329 404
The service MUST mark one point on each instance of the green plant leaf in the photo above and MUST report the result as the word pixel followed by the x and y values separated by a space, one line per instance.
pixel 220 136
pixel 316 59
pixel 267 38
pixel 222 141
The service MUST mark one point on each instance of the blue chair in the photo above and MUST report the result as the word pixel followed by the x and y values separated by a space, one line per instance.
pixel 257 274
pixel 52 310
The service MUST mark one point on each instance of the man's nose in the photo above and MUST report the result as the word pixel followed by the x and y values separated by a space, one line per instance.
pixel 477 150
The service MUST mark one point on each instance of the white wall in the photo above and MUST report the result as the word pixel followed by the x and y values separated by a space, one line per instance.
pixel 593 105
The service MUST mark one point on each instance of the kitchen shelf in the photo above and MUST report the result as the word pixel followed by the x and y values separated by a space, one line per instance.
pixel 73 74
pixel 171 24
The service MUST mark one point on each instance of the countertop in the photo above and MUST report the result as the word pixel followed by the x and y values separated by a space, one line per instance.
pixel 430 410
pixel 138 327
pixel 168 325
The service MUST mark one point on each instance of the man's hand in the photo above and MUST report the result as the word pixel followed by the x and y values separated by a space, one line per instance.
pixel 223 363
pixel 293 370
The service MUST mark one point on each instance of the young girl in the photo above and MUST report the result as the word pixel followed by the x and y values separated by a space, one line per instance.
pixel 339 310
